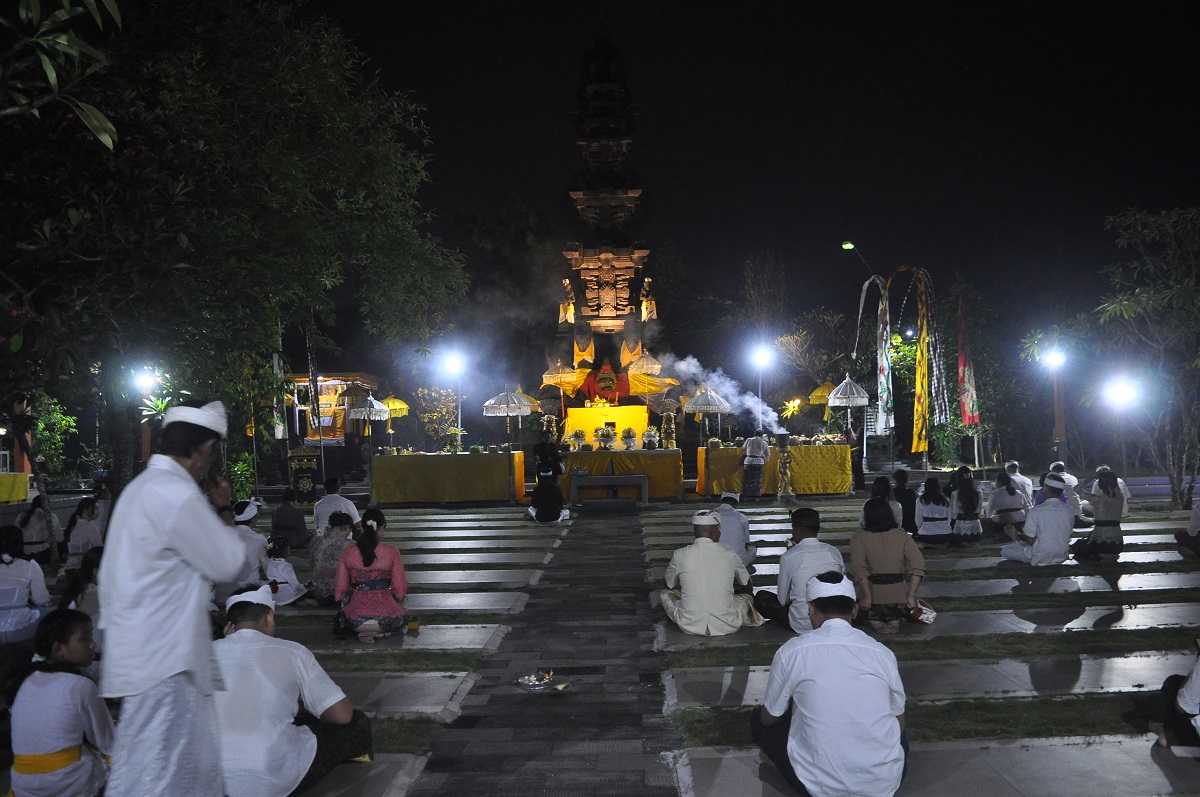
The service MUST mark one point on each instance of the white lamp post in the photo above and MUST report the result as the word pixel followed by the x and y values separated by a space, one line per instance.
pixel 454 364
pixel 1054 360
pixel 761 357
pixel 1121 393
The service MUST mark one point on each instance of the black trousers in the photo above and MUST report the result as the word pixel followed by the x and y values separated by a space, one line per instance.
pixel 335 744
pixel 1177 726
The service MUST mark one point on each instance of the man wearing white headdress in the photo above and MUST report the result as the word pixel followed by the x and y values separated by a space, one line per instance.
pixel 700 597
pixel 265 749
pixel 832 718
pixel 169 541
pixel 735 528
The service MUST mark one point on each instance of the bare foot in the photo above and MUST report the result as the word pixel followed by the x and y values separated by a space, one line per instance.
pixel 366 639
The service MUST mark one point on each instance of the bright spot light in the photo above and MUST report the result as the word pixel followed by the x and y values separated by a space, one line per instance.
pixel 1121 392
pixel 454 364
pixel 908 333
pixel 847 245
pixel 762 357
pixel 144 381
pixel 1054 358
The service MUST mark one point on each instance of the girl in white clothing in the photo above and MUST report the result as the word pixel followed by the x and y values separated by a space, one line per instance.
pixel 62 732
pixel 1007 506
pixel 81 534
pixel 882 488
pixel 965 504
pixel 933 515
pixel 281 574
pixel 23 594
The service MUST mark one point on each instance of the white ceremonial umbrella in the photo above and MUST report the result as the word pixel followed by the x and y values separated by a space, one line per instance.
pixel 705 401
pixel 508 405
pixel 848 394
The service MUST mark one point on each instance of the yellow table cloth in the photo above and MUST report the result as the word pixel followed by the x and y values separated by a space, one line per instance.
pixel 815 470
pixel 14 488
pixel 663 469
pixel 447 478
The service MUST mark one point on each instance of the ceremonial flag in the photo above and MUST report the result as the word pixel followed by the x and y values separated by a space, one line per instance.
pixel 968 400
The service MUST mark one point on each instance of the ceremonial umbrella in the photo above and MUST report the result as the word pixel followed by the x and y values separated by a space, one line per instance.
pixel 706 401
pixel 646 364
pixel 397 408
pixel 848 394
pixel 558 376
pixel 821 396
pixel 508 404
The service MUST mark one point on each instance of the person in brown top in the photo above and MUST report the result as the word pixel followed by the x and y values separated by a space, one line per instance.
pixel 887 566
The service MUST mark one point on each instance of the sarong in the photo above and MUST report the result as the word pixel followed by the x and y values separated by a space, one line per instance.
pixel 752 480
pixel 167 743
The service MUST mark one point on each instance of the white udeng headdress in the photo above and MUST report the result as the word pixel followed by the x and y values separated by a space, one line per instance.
pixel 210 416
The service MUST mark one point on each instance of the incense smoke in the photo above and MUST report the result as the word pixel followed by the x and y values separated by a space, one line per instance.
pixel 692 375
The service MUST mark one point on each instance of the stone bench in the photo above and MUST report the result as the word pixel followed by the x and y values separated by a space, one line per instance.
pixel 640 481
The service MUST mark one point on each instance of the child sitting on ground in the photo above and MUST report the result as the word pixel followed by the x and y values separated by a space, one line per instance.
pixel 280 573
pixel 325 551
pixel 62 733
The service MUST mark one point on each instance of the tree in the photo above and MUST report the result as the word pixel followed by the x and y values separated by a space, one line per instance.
pixel 764 292
pixel 819 346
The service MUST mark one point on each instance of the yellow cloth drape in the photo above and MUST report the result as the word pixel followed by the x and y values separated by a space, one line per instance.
pixel 447 478
pixel 588 354
pixel 45 762
pixel 566 312
pixel 628 355
pixel 644 384
pixel 649 310
pixel 663 469
pixel 591 418
pixel 335 429
pixel 816 470
pixel 14 487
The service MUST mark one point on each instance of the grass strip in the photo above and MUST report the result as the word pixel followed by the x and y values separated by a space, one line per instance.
pixel 954 720
pixel 1052 600
pixel 402 734
pixel 1102 569
pixel 399 661
pixel 983 646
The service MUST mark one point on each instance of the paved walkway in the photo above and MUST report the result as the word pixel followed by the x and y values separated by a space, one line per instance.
pixel 588 618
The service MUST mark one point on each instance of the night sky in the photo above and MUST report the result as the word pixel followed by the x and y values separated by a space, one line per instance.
pixel 992 140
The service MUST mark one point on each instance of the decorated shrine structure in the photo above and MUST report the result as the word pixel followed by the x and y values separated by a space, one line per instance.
pixel 607 302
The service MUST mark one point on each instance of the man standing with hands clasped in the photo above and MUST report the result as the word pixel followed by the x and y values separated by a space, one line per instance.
pixel 167 544
pixel 845 734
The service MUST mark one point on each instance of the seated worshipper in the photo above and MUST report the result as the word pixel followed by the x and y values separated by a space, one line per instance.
pixel 83 592
pixel 907 498
pixel 1019 480
pixel 1007 505
pixel 735 529
pixel 332 502
pixel 1070 493
pixel 266 749
pixel 1188 539
pixel 81 534
pixel 704 603
pixel 371 583
pixel 1047 533
pixel 832 718
pixel 933 515
pixel 755 454
pixel 1095 488
pixel 882 488
pixel 245 519
pixel 546 500
pixel 62 733
pixel 804 558
pixel 41 532
pixel 288 521
pixel 887 566
pixel 103 498
pixel 1105 540
pixel 964 512
pixel 1040 496
pixel 325 552
pixel 23 593
pixel 280 573
pixel 1181 722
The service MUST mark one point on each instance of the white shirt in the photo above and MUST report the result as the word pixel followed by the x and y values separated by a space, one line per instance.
pixel 807 558
pixel 84 537
pixel 54 711
pixel 26 580
pixel 1188 699
pixel 1071 494
pixel 1023 483
pixel 330 504
pixel 262 753
pixel 165 549
pixel 735 532
pixel 933 520
pixel 37 534
pixel 844 738
pixel 756 451
pixel 704 572
pixel 290 588
pixel 1050 524
pixel 1194 521
pixel 897 513
pixel 1005 508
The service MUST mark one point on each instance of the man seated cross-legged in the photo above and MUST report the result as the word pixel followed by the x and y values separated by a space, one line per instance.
pixel 704 572
pixel 266 749
pixel 805 557
pixel 832 718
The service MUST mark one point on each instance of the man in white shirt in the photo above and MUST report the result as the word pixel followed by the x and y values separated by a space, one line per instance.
pixel 1071 492
pixel 806 558
pixel 704 572
pixel 166 547
pixel 735 529
pixel 755 453
pixel 846 734
pixel 1046 538
pixel 333 502
pixel 245 521
pixel 265 750
pixel 1019 480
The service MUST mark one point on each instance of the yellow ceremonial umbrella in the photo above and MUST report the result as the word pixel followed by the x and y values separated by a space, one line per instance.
pixel 821 396
pixel 560 376
pixel 396 409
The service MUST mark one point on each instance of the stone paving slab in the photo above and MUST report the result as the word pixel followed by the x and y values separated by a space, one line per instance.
pixel 731 687
pixel 389 775
pixel 449 602
pixel 437 695
pixel 932 564
pixel 529 531
pixel 483 638
pixel 405 545
pixel 499 579
pixel 515 523
pixel 1096 766
pixel 459 559
pixel 1125 583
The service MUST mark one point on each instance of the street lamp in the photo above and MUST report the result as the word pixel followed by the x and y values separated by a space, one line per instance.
pixel 848 245
pixel 1054 360
pixel 1121 393
pixel 762 356
pixel 454 364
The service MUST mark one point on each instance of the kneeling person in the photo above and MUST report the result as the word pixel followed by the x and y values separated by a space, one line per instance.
pixel 846 734
pixel 704 572
pixel 266 751
pixel 547 505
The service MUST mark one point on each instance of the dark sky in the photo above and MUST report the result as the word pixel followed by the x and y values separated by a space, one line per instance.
pixel 991 139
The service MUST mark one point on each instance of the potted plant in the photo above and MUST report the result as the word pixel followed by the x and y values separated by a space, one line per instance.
pixel 605 437
pixel 475 449
pixel 577 438
pixel 456 436
pixel 650 438
pixel 629 438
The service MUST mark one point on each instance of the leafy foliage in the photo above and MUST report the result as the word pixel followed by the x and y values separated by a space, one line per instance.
pixel 52 427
